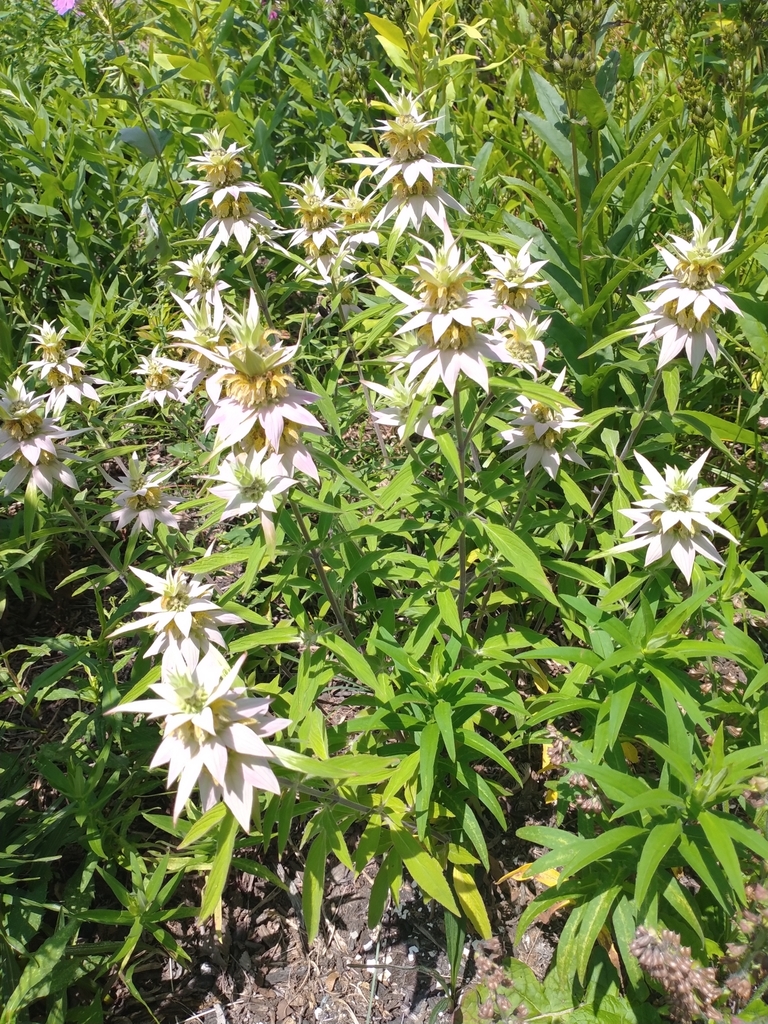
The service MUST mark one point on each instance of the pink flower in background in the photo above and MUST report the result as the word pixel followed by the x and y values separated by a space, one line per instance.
pixel 274 14
pixel 64 6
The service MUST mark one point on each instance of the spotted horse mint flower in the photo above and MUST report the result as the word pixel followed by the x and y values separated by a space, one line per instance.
pixel 674 517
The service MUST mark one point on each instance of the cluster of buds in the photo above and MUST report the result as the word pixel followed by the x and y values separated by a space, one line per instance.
pixel 585 795
pixel 500 988
pixel 698 103
pixel 691 990
pixel 568 36
pixel 747 961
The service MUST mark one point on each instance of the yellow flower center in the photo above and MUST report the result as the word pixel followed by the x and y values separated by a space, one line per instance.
pixel 457 337
pixel 158 378
pixel 152 498
pixel 24 425
pixel 222 168
pixel 421 187
pixel 686 317
pixel 699 269
pixel 407 138
pixel 238 208
pixel 510 294
pixel 679 502
pixel 253 392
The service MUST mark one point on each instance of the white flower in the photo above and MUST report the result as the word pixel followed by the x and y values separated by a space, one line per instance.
pixel 522 340
pixel 446 316
pixel 410 168
pixel 514 278
pixel 673 518
pixel 250 481
pixel 182 616
pixel 141 498
pixel 213 734
pixel 203 273
pixel 202 330
pixel 539 433
pixel 161 384
pixel 254 386
pixel 356 213
pixel 403 399
pixel 61 369
pixel 687 300
pixel 318 233
pixel 32 441
pixel 233 214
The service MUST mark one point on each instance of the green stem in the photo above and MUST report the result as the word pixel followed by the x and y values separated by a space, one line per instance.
pixel 631 439
pixel 260 296
pixel 92 538
pixel 208 58
pixel 461 442
pixel 323 575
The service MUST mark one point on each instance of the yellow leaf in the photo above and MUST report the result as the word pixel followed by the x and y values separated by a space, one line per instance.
pixel 550 797
pixel 389 31
pixel 546 764
pixel 547 878
pixel 630 752
pixel 540 680
pixel 426 19
pixel 471 901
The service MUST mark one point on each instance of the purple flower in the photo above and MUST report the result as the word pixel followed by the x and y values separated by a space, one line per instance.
pixel 64 6
pixel 273 15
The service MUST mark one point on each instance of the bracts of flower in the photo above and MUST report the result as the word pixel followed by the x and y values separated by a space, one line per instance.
pixel 674 517
pixel 213 733
pixel 688 299
pixel 539 433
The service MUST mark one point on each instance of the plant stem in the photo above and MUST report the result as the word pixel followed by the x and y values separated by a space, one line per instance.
pixel 631 439
pixel 88 533
pixel 461 443
pixel 323 575
pixel 260 296
pixel 368 402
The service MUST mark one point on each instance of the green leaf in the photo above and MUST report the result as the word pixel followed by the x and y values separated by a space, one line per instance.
pixel 471 901
pixel 723 848
pixel 389 31
pixel 387 877
pixel 430 737
pixel 589 851
pixel 524 562
pixel 42 973
pixel 593 918
pixel 661 839
pixel 314 883
pixel 204 825
pixel 670 377
pixel 217 876
pixel 424 869
pixel 444 718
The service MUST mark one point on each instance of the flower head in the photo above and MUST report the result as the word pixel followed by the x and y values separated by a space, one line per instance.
pixel 202 331
pixel 254 385
pixel 514 278
pixel 687 300
pixel 161 384
pixel 182 615
pixel 232 212
pixel 539 433
pixel 403 400
pixel 252 481
pixel 60 368
pixel 141 498
pixel 32 441
pixel 413 172
pixel 674 517
pixel 446 316
pixel 213 734
pixel 522 340
pixel 203 273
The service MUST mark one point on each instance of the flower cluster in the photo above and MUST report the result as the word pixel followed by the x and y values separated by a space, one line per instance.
pixel 687 300
pixel 690 989
pixel 233 215
pixel 213 733
pixel 674 517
